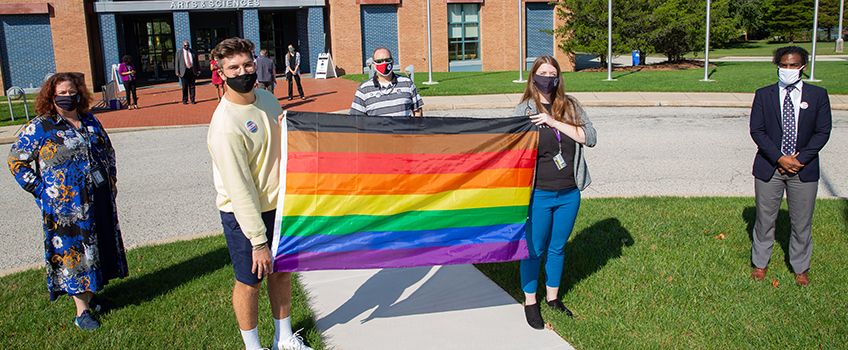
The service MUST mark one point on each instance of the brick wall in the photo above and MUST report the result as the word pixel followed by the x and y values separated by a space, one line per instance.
pixel 566 60
pixel 498 39
pixel 499 35
pixel 68 24
pixel 345 36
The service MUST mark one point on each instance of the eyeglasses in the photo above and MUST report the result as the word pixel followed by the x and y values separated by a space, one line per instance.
pixel 383 60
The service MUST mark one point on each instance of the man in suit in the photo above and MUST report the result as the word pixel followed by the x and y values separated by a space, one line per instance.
pixel 185 67
pixel 790 123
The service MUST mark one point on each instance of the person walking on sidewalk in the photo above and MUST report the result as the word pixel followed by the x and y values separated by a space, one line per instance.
pixel 244 139
pixel 185 67
pixel 293 71
pixel 790 123
pixel 387 94
pixel 65 159
pixel 127 71
pixel 564 128
pixel 266 72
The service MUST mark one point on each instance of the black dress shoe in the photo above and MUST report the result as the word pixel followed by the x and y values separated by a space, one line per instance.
pixel 557 305
pixel 302 98
pixel 192 102
pixel 185 103
pixel 290 98
pixel 534 316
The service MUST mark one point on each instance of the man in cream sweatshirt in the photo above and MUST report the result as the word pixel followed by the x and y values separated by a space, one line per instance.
pixel 244 141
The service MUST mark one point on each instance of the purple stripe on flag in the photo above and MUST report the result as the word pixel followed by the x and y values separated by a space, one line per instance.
pixel 398 258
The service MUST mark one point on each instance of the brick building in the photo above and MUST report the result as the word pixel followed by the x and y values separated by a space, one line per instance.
pixel 40 38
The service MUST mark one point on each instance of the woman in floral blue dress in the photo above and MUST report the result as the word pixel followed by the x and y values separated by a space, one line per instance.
pixel 66 160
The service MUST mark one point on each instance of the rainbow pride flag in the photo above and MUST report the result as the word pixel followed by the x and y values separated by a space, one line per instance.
pixel 386 192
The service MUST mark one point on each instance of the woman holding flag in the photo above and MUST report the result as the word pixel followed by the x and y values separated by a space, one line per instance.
pixel 561 174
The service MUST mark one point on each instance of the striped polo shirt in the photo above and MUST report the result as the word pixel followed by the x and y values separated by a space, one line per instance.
pixel 399 99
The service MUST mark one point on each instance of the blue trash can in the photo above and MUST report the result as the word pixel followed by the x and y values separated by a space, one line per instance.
pixel 635 55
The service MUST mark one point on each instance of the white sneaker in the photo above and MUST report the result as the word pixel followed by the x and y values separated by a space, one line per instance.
pixel 295 342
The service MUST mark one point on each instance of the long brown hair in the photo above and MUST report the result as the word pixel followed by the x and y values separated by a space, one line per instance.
pixel 563 108
pixel 44 101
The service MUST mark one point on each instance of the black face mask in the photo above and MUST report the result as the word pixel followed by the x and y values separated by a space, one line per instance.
pixel 545 85
pixel 242 83
pixel 185 47
pixel 68 103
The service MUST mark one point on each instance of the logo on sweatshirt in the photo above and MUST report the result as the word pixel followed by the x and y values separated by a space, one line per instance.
pixel 252 126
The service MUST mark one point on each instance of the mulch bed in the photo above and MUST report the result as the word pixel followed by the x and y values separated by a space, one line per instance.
pixel 674 65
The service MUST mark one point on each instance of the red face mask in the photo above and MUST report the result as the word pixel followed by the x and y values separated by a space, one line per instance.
pixel 384 68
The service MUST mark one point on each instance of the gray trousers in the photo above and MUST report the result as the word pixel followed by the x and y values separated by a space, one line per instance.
pixel 801 201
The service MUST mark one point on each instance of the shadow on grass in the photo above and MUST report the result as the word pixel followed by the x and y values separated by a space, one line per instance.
pixel 139 289
pixel 782 230
pixel 586 253
pixel 591 249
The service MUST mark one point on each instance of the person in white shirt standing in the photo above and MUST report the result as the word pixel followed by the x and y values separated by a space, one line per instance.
pixel 244 141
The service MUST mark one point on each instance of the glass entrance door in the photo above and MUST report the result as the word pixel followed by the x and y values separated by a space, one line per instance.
pixel 155 44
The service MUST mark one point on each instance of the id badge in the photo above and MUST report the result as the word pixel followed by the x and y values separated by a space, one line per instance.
pixel 98 176
pixel 560 163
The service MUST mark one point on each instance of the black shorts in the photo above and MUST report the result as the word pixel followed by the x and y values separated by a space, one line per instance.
pixel 241 250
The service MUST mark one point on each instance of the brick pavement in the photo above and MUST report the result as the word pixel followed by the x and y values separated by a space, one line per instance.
pixel 162 105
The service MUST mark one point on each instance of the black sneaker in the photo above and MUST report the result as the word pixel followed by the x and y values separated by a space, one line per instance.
pixel 534 316
pixel 99 306
pixel 86 321
pixel 557 305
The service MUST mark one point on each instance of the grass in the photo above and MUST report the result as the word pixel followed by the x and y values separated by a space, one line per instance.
pixel 178 295
pixel 761 48
pixel 728 76
pixel 20 113
pixel 650 273
pixel 643 273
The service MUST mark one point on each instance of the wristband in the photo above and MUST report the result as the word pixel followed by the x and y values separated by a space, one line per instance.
pixel 260 247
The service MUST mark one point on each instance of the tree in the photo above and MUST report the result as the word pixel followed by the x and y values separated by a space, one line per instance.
pixel 585 28
pixel 671 27
pixel 789 17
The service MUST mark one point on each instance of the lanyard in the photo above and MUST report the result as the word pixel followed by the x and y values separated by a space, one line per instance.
pixel 559 140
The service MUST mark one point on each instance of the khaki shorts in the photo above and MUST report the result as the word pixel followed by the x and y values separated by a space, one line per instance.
pixel 267 85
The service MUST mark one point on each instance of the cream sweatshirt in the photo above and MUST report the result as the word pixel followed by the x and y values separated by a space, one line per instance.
pixel 244 141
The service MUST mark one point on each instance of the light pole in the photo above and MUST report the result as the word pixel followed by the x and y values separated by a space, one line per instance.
pixel 429 50
pixel 609 43
pixel 520 35
pixel 839 41
pixel 707 47
pixel 815 36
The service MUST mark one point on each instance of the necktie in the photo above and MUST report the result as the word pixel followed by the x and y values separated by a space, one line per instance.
pixel 788 139
pixel 187 58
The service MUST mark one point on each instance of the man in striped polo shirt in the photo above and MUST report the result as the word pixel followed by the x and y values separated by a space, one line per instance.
pixel 387 94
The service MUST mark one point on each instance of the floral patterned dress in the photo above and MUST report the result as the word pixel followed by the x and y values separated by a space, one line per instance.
pixel 83 245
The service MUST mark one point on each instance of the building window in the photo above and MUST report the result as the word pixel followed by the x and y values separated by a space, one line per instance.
pixel 155 44
pixel 463 32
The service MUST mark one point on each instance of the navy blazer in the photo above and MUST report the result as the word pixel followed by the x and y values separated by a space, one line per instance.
pixel 813 130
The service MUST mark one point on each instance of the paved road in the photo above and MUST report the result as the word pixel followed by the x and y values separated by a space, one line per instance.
pixel 165 178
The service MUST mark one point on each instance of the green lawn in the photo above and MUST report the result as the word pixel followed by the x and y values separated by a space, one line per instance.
pixel 762 48
pixel 20 113
pixel 641 273
pixel 650 273
pixel 178 296
pixel 728 76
